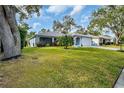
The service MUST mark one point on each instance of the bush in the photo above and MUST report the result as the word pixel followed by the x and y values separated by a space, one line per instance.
pixel 47 45
pixel 65 41
pixel 122 39
pixel 39 45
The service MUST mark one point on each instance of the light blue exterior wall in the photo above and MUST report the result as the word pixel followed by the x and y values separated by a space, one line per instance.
pixel 82 41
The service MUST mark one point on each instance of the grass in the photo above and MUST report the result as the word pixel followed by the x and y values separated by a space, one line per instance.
pixel 57 67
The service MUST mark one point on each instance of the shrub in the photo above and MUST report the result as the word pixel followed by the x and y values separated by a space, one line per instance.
pixel 65 41
pixel 39 45
pixel 47 45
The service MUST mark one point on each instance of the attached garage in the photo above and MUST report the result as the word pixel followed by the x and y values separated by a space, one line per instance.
pixel 82 40
pixel 86 41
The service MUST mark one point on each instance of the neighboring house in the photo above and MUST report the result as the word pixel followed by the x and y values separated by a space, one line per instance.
pixel 79 40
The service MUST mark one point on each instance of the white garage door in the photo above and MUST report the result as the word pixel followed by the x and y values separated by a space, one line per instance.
pixel 86 41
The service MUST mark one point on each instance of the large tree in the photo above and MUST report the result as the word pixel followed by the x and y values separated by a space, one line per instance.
pixel 44 30
pixel 64 27
pixel 111 17
pixel 9 34
pixel 81 30
pixel 94 30
pixel 68 24
pixel 57 26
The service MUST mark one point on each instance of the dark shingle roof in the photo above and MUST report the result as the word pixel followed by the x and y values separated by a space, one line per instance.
pixel 102 36
pixel 57 34
pixel 80 35
pixel 50 34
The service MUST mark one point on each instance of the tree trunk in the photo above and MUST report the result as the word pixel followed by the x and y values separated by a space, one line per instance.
pixel 66 42
pixel 10 36
pixel 117 41
pixel 0 46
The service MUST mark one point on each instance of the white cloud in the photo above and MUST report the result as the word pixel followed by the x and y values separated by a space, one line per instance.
pixel 42 16
pixel 76 9
pixel 57 8
pixel 35 25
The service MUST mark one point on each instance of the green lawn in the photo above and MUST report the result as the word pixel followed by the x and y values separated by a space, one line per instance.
pixel 57 67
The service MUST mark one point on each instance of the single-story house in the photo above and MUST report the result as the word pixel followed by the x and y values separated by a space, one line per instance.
pixel 79 40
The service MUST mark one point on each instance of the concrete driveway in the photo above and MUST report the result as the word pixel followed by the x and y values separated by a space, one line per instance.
pixel 115 49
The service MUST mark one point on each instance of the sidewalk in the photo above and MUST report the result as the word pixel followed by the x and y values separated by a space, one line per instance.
pixel 109 48
pixel 120 81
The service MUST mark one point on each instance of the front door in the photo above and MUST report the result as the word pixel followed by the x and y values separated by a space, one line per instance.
pixel 78 41
pixel 104 41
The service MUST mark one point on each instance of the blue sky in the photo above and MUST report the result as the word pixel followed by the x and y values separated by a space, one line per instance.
pixel 48 14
